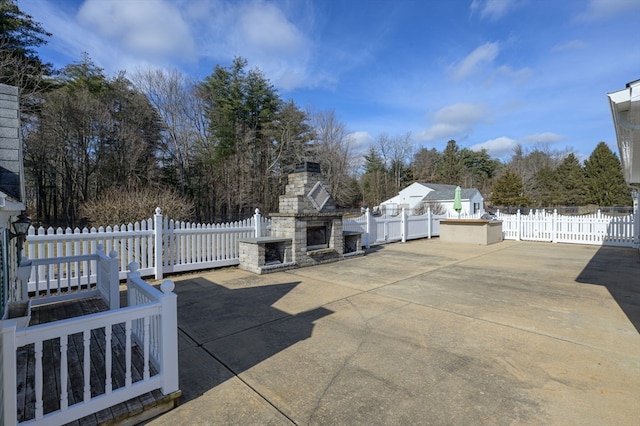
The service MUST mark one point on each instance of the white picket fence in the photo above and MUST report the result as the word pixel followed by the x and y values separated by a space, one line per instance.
pixel 158 245
pixel 162 246
pixel 389 228
pixel 595 229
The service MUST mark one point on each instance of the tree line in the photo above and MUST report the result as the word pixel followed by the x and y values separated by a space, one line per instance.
pixel 534 178
pixel 108 149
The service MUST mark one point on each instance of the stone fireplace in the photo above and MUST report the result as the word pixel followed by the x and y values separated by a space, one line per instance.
pixel 307 230
pixel 307 214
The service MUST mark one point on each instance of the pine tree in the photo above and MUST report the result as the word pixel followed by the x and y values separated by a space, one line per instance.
pixel 508 191
pixel 572 182
pixel 450 166
pixel 605 180
pixel 546 187
pixel 19 36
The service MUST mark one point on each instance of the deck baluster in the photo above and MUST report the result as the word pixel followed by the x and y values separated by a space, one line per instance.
pixel 127 378
pixel 108 386
pixel 38 379
pixel 86 334
pixel 146 348
pixel 64 370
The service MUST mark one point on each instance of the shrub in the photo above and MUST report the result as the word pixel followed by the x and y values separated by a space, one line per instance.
pixel 122 206
pixel 436 208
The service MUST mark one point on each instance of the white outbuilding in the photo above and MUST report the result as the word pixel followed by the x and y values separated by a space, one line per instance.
pixel 416 197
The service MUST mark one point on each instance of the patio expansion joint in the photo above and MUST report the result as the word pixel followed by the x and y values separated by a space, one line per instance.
pixel 236 374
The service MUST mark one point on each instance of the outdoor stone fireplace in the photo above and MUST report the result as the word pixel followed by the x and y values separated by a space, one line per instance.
pixel 306 231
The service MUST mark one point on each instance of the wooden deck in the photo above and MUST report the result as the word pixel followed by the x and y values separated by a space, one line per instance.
pixel 129 412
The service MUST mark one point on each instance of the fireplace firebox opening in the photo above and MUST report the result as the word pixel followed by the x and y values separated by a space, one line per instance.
pixel 318 234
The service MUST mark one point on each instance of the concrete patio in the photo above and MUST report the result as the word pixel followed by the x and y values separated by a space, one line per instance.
pixel 425 332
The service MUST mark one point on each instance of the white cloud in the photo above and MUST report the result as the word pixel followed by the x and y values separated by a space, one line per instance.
pixel 569 45
pixel 360 142
pixel 518 76
pixel 152 28
pixel 492 9
pixel 500 147
pixel 440 131
pixel 463 113
pixel 264 26
pixel 454 120
pixel 542 138
pixel 601 10
pixel 472 62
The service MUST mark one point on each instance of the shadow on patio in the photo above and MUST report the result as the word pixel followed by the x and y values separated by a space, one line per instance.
pixel 223 332
pixel 623 284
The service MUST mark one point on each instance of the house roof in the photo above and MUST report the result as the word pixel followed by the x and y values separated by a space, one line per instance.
pixel 625 109
pixel 446 192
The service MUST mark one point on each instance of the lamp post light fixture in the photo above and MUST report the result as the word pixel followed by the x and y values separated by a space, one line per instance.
pixel 20 228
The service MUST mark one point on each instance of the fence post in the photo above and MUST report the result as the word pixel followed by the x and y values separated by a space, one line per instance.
pixel 23 275
pixel 367 230
pixel 169 338
pixel 157 231
pixel 519 225
pixel 403 225
pixel 114 280
pixel 635 219
pixel 257 224
pixel 429 222
pixel 8 391
pixel 554 226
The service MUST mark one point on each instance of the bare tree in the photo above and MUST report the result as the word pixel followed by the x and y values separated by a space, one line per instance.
pixel 181 114
pixel 332 148
pixel 401 151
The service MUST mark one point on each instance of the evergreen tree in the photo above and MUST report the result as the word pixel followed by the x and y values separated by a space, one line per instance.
pixel 19 36
pixel 372 180
pixel 572 182
pixel 478 169
pixel 425 164
pixel 546 189
pixel 450 166
pixel 508 191
pixel 605 180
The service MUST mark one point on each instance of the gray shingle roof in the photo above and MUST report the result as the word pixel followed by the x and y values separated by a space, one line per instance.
pixel 446 192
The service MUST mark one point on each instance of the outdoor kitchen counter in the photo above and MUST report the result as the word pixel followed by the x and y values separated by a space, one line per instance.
pixel 474 231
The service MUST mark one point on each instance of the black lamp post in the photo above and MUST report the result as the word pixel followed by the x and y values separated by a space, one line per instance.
pixel 20 229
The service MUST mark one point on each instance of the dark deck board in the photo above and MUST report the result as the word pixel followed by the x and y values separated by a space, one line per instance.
pixel 75 359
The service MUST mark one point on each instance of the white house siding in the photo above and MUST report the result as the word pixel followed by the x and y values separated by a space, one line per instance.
pixel 414 195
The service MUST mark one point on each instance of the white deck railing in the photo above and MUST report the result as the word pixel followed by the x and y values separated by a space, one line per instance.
pixel 149 322
pixel 70 277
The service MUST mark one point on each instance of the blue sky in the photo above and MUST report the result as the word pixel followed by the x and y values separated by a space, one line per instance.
pixel 487 73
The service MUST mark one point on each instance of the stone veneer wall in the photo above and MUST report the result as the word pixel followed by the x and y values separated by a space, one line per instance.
pixel 296 210
pixel 295 200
